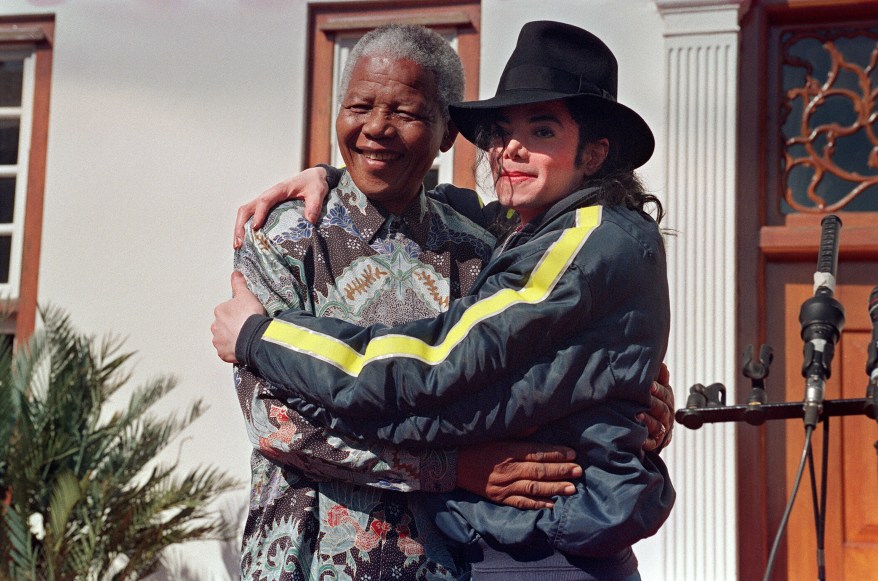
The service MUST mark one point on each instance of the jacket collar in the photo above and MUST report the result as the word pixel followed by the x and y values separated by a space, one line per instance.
pixel 578 199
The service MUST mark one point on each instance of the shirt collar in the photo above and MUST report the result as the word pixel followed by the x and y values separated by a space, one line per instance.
pixel 371 219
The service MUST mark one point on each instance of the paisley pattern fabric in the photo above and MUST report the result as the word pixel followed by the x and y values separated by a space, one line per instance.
pixel 323 506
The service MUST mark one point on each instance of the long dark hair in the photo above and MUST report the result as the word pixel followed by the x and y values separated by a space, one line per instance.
pixel 616 181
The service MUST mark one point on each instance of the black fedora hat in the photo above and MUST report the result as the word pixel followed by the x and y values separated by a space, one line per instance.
pixel 553 60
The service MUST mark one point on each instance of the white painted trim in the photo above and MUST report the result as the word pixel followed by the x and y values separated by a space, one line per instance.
pixel 684 17
pixel 701 52
pixel 10 289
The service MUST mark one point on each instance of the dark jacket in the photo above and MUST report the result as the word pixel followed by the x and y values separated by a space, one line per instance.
pixel 564 330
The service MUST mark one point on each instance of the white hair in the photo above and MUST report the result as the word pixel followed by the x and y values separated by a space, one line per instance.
pixel 418 44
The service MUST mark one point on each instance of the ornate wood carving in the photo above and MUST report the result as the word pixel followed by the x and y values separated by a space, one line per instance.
pixel 828 119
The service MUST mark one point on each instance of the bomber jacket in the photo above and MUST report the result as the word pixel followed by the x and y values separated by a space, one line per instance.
pixel 563 331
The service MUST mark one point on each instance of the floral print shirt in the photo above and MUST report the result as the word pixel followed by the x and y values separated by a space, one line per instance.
pixel 323 506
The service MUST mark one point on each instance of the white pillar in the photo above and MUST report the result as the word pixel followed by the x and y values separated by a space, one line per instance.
pixel 701 52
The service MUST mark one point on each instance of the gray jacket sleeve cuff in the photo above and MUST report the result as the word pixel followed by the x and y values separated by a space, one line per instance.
pixel 250 333
pixel 333 174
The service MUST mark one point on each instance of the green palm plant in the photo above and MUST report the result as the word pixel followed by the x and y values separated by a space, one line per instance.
pixel 82 494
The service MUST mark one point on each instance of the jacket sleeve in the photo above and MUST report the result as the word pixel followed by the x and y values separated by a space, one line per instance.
pixel 614 507
pixel 283 435
pixel 491 216
pixel 568 338
pixel 529 345
pixel 461 200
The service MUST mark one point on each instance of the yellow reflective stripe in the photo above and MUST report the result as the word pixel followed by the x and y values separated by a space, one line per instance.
pixel 542 281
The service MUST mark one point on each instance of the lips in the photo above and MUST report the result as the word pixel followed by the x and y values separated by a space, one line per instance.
pixel 516 176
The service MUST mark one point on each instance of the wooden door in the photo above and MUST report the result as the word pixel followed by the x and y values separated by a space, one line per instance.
pixel 795 165
pixel 851 535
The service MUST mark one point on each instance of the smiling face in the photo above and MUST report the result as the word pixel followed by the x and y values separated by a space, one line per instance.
pixel 534 157
pixel 390 129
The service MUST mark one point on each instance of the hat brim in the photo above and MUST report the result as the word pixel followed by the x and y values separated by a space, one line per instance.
pixel 635 138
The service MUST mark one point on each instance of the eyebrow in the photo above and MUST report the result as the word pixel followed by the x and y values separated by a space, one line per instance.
pixel 546 117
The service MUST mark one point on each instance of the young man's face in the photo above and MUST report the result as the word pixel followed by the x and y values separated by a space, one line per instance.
pixel 390 129
pixel 535 157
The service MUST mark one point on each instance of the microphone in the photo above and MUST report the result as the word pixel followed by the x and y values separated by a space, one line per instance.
pixel 822 319
pixel 872 361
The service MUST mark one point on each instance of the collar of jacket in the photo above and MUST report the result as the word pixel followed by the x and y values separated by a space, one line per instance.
pixel 578 199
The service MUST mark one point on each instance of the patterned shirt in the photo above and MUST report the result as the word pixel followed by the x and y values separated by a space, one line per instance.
pixel 323 506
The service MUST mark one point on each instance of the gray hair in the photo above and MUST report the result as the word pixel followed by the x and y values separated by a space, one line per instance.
pixel 418 44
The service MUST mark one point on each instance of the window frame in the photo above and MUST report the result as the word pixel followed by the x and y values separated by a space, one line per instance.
pixel 326 20
pixel 33 33
pixel 24 115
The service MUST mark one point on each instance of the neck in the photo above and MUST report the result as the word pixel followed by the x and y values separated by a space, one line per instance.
pixel 398 205
pixel 525 215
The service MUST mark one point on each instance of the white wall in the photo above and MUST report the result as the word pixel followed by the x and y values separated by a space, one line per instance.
pixel 165 116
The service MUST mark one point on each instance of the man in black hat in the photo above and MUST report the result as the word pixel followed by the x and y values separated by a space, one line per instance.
pixel 583 330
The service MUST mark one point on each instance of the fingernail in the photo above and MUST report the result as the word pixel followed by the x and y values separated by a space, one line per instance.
pixel 237 241
pixel 569 489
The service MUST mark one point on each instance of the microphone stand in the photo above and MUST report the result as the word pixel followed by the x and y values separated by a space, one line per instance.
pixel 822 319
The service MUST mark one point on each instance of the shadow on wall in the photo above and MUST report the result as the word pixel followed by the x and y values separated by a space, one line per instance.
pixel 181 567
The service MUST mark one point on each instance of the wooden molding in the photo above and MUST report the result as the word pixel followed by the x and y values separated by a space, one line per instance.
pixel 368 21
pixel 28 30
pixel 25 34
pixel 799 238
pixel 38 32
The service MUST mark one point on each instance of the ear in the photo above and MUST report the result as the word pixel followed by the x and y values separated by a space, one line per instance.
pixel 449 137
pixel 595 155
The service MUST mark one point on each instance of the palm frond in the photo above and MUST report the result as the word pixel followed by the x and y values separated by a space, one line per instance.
pixel 110 509
pixel 65 494
pixel 22 556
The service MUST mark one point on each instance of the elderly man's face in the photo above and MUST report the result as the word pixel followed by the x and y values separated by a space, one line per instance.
pixel 390 129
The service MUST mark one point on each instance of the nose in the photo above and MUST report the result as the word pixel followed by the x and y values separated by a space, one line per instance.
pixel 514 149
pixel 378 124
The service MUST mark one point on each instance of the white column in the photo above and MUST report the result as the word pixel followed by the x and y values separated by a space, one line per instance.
pixel 701 52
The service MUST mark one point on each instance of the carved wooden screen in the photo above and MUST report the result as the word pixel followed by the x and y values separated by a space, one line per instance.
pixel 828 126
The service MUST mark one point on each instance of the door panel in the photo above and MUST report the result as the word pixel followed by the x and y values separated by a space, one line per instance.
pixel 851 536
